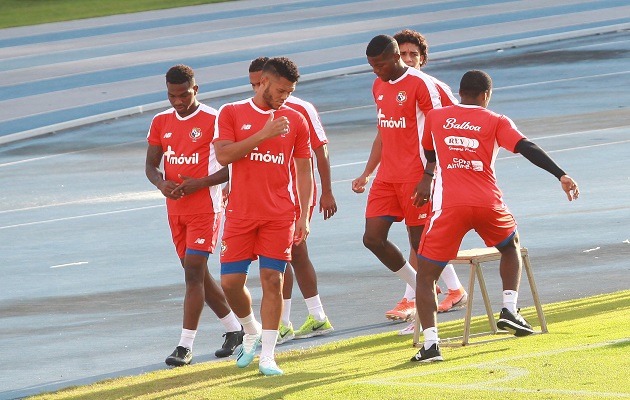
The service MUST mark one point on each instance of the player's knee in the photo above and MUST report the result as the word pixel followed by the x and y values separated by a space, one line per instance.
pixel 372 242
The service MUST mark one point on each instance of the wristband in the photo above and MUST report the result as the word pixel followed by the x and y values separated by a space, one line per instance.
pixel 428 173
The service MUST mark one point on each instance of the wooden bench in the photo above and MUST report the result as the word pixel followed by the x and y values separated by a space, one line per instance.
pixel 475 258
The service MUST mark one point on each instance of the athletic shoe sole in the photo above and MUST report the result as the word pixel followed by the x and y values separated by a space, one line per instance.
pixel 314 333
pixel 519 330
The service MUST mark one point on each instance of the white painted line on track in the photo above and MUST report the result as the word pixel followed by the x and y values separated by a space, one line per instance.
pixel 575 78
pixel 79 217
pixel 69 153
pixel 68 264
pixel 133 196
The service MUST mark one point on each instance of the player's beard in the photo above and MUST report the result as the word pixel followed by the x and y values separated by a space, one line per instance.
pixel 268 99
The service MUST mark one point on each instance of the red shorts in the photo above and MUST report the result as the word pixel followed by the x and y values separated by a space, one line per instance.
pixel 395 200
pixel 443 235
pixel 245 239
pixel 195 232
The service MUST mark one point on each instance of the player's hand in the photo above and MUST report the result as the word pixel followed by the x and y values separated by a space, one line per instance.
pixel 327 205
pixel 358 185
pixel 168 190
pixel 276 127
pixel 302 229
pixel 422 194
pixel 189 185
pixel 570 187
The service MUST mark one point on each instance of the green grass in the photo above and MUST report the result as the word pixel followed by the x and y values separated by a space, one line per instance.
pixel 584 356
pixel 31 12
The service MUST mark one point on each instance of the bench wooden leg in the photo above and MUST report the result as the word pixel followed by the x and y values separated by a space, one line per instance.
pixel 532 285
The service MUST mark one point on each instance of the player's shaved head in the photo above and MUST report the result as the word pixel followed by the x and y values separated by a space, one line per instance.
pixel 179 74
pixel 381 44
pixel 282 67
pixel 257 64
pixel 475 82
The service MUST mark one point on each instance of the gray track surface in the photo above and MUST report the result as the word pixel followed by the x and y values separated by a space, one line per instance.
pixel 91 287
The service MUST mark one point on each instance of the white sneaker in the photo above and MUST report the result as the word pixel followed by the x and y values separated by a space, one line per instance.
pixel 267 366
pixel 247 350
pixel 409 329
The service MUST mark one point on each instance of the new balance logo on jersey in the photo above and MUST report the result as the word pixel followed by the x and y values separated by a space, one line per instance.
pixel 459 163
pixel 171 157
pixel 383 122
pixel 380 97
pixel 168 135
pixel 266 157
pixel 451 123
pixel 246 127
pixel 200 241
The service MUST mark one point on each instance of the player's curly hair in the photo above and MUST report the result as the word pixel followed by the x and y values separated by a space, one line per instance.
pixel 179 74
pixel 282 66
pixel 414 37
pixel 257 64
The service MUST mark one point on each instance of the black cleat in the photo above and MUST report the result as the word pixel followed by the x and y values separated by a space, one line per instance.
pixel 430 355
pixel 181 356
pixel 232 341
pixel 517 323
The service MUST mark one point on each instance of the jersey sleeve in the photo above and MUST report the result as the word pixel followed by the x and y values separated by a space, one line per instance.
pixel 508 134
pixel 302 148
pixel 427 96
pixel 224 124
pixel 427 135
pixel 155 132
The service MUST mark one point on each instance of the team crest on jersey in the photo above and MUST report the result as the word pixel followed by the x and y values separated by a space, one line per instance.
pixel 401 97
pixel 195 134
pixel 223 247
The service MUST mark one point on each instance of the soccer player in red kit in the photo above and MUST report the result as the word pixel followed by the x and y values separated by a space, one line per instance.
pixel 317 322
pixel 259 138
pixel 180 138
pixel 414 51
pixel 461 143
pixel 403 95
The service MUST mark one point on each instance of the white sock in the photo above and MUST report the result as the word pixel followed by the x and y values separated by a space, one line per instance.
pixel 408 274
pixel 187 338
pixel 250 325
pixel 286 312
pixel 315 308
pixel 450 277
pixel 269 339
pixel 430 337
pixel 230 323
pixel 509 300
pixel 410 293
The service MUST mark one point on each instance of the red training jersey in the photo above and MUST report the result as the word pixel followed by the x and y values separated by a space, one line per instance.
pixel 261 182
pixel 186 144
pixel 317 134
pixel 466 140
pixel 402 105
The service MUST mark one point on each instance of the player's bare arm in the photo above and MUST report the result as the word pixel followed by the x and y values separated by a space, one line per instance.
pixel 358 185
pixel 304 186
pixel 191 185
pixel 423 189
pixel 153 173
pixel 541 159
pixel 327 203
pixel 228 151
